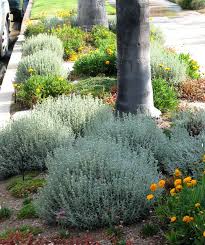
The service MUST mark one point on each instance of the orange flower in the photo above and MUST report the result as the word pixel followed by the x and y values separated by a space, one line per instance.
pixel 150 197
pixel 204 234
pixel 187 179
pixel 173 191
pixel 177 182
pixel 178 187
pixel 187 219
pixel 173 219
pixel 107 62
pixel 161 183
pixel 194 182
pixel 153 187
pixel 177 172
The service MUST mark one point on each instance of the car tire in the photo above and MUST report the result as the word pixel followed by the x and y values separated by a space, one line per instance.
pixel 5 40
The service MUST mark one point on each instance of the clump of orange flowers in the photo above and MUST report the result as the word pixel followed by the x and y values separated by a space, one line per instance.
pixel 155 186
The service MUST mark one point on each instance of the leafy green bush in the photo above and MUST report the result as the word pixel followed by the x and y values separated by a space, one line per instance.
pixel 165 96
pixel 5 213
pixel 27 212
pixel 167 65
pixel 182 213
pixel 41 63
pixel 96 86
pixel 19 187
pixel 102 37
pixel 75 112
pixel 192 66
pixel 37 88
pixel 42 42
pixel 31 138
pixel 96 63
pixel 73 38
pixel 191 4
pixel 96 183
pixel 35 29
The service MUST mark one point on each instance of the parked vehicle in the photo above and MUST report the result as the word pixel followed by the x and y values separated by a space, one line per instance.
pixel 4 27
pixel 18 8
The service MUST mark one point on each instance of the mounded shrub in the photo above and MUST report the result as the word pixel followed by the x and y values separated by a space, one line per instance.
pixel 166 64
pixel 75 112
pixel 96 183
pixel 25 143
pixel 37 88
pixel 42 42
pixel 43 62
pixel 132 131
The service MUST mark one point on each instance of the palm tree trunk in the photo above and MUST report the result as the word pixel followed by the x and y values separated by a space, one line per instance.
pixel 91 12
pixel 134 74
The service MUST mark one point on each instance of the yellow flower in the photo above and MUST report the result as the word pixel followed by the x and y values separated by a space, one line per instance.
pixel 107 62
pixel 187 219
pixel 187 179
pixel 80 49
pixel 30 70
pixel 109 51
pixel 38 90
pixel 204 234
pixel 177 182
pixel 173 219
pixel 167 69
pixel 178 187
pixel 197 205
pixel 173 191
pixel 203 158
pixel 153 187
pixel 177 172
pixel 161 183
pixel 150 197
pixel 194 182
pixel 161 65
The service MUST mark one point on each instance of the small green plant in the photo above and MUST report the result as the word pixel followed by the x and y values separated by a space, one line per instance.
pixel 23 230
pixel 27 212
pixel 35 29
pixel 193 68
pixel 27 201
pixel 5 213
pixel 23 188
pixel 43 62
pixel 149 230
pixel 114 231
pixel 63 233
pixel 37 88
pixel 165 95
pixel 98 62
pixel 42 42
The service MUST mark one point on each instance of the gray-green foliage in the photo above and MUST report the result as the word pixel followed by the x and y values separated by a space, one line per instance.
pixel 42 42
pixel 132 131
pixel 162 59
pixel 43 62
pixel 96 183
pixel 25 143
pixel 76 112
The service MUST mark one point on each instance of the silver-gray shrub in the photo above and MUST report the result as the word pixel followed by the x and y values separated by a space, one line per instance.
pixel 42 42
pixel 43 62
pixel 162 59
pixel 96 183
pixel 25 143
pixel 75 111
pixel 184 151
pixel 132 131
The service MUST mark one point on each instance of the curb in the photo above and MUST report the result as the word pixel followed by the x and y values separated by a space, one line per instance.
pixel 7 89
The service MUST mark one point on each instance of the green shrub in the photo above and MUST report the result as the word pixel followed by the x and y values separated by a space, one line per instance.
pixel 96 183
pixel 131 131
pixel 75 112
pixel 27 212
pixel 23 188
pixel 149 230
pixel 182 214
pixel 31 138
pixel 96 86
pixel 5 213
pixel 191 4
pixel 42 42
pixel 37 88
pixel 41 63
pixel 167 65
pixel 35 29
pixel 95 63
pixel 102 37
pixel 72 38
pixel 192 66
pixel 165 96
